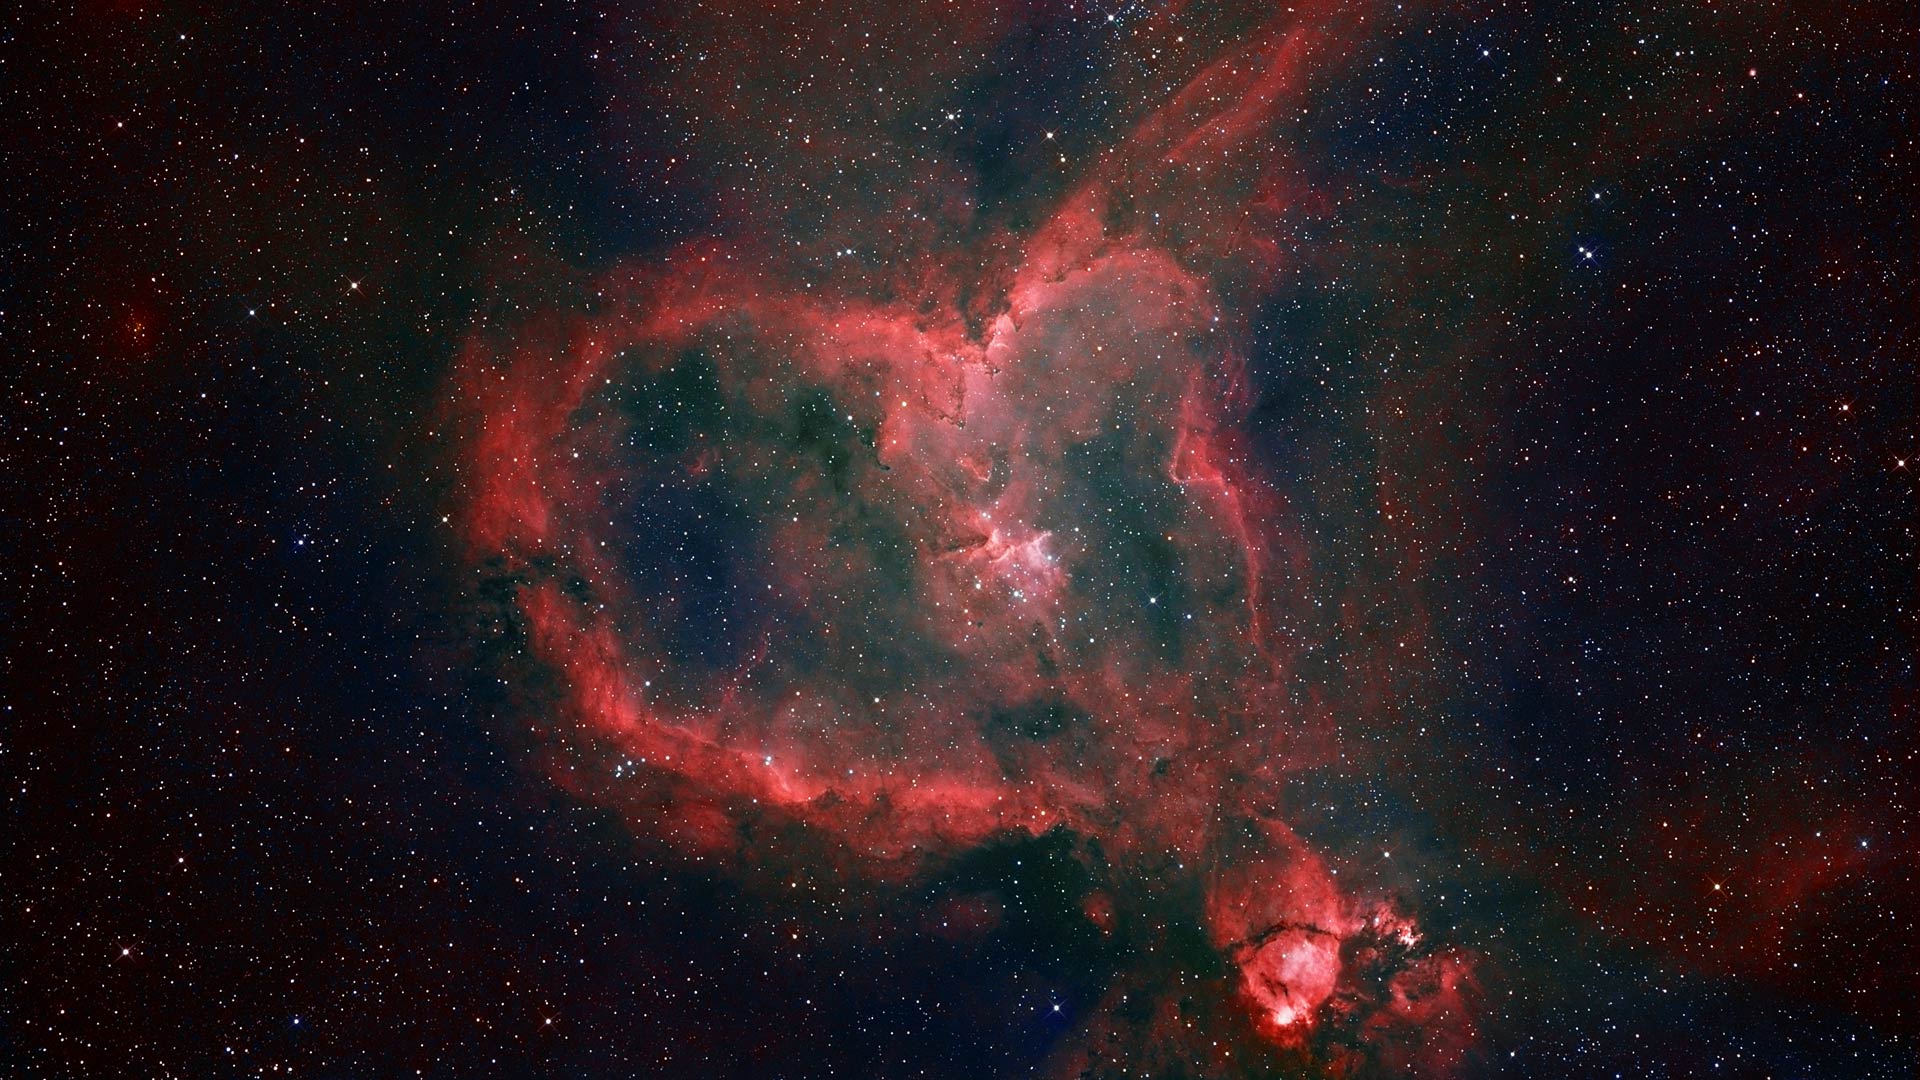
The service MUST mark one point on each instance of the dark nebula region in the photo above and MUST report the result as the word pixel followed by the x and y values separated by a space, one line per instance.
pixel 1090 540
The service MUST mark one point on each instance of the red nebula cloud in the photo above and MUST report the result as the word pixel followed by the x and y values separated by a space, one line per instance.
pixel 1275 911
pixel 936 641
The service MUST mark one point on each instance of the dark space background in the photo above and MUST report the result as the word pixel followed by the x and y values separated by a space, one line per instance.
pixel 274 805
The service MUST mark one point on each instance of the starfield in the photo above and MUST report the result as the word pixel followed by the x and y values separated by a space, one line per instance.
pixel 946 539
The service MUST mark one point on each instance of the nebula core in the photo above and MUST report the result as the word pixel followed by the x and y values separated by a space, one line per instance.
pixel 1084 540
